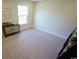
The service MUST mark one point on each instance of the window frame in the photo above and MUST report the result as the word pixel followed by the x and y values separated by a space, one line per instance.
pixel 27 10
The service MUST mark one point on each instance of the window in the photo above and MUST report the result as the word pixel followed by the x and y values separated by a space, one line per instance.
pixel 22 14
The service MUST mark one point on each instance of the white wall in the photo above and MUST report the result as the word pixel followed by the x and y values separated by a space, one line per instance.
pixel 13 4
pixel 56 17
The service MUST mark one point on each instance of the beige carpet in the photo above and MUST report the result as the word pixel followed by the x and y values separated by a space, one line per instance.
pixel 31 44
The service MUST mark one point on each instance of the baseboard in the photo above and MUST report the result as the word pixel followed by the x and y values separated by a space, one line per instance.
pixel 51 32
pixel 26 28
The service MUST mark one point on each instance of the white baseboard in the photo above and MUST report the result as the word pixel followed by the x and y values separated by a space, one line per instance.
pixel 64 37
pixel 28 27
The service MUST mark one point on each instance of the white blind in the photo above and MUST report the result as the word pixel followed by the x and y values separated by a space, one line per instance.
pixel 22 14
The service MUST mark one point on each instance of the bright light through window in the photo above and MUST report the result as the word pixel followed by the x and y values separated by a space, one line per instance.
pixel 22 14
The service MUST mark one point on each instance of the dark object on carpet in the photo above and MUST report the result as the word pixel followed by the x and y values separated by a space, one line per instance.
pixel 10 28
pixel 69 49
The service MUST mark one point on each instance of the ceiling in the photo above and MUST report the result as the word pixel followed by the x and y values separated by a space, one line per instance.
pixel 35 0
pixel 29 0
pixel 42 0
